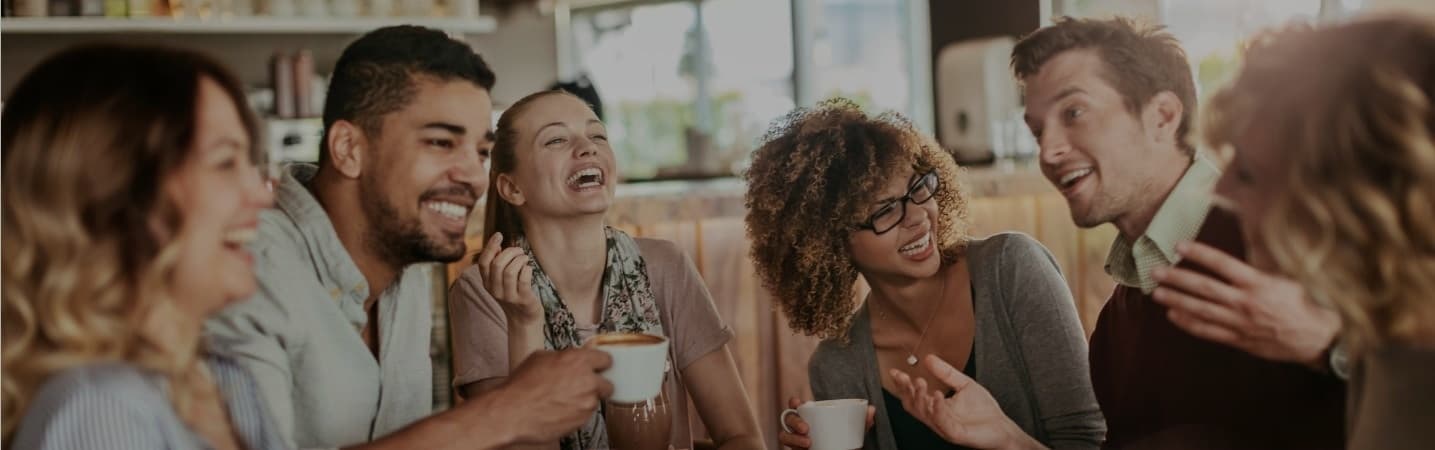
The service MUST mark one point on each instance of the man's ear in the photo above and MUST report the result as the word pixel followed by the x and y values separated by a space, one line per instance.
pixel 1162 116
pixel 509 190
pixel 347 148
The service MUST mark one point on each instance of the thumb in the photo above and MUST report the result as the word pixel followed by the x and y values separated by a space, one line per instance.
pixel 946 373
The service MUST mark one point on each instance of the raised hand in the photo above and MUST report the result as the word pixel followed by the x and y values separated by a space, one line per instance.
pixel 970 417
pixel 509 278
pixel 1262 314
pixel 552 393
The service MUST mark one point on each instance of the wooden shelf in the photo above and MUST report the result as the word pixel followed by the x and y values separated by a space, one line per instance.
pixel 237 25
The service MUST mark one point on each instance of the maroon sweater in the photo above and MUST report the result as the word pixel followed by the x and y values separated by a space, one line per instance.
pixel 1160 387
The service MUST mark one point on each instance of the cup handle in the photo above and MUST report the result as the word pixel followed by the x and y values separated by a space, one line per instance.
pixel 782 419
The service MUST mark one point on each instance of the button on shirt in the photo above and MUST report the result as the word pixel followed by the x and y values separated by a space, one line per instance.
pixel 300 334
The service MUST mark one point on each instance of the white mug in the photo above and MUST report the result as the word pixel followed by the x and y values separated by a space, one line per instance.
pixel 639 363
pixel 832 424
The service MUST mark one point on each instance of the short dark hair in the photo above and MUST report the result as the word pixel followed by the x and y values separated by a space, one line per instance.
pixel 1141 60
pixel 375 75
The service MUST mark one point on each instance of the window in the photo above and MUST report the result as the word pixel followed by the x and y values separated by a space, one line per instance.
pixel 688 87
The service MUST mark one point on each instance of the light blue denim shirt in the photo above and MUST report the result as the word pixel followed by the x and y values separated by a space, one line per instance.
pixel 299 335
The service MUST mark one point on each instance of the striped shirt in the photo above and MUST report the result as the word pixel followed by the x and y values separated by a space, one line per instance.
pixel 118 406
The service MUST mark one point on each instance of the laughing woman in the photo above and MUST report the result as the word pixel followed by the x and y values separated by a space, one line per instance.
pixel 565 277
pixel 833 194
pixel 130 189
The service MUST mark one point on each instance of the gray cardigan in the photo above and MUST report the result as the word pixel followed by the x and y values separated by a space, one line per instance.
pixel 1029 345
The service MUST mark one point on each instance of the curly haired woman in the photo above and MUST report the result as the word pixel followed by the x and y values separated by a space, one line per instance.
pixel 834 193
pixel 1337 166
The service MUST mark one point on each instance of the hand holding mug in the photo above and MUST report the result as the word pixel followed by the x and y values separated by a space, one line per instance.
pixel 509 278
pixel 553 393
pixel 795 429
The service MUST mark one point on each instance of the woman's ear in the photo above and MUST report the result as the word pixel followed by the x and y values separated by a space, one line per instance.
pixel 509 190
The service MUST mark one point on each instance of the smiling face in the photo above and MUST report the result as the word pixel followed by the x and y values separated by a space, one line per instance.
pixel 910 248
pixel 426 172
pixel 564 165
pixel 218 192
pixel 1105 160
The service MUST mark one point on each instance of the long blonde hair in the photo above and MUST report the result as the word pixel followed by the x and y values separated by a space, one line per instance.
pixel 89 136
pixel 1351 105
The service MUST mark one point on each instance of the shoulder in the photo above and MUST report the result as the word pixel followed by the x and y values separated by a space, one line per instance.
pixel 103 388
pixel 102 405
pixel 1009 248
pixel 659 251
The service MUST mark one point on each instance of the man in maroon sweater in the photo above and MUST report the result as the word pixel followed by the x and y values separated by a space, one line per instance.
pixel 1207 353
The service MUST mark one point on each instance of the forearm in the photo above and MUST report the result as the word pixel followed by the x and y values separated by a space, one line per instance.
pixel 523 340
pixel 1021 441
pixel 476 426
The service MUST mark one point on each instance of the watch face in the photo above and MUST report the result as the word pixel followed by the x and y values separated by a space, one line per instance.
pixel 1339 362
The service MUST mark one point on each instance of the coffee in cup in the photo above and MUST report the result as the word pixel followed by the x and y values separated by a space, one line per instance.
pixel 832 424
pixel 639 363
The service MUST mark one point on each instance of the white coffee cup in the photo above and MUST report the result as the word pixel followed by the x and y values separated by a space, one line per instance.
pixel 832 424
pixel 639 362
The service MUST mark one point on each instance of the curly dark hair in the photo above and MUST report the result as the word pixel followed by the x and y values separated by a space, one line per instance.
pixel 816 174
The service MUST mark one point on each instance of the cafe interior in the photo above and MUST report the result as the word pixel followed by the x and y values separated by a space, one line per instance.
pixel 687 89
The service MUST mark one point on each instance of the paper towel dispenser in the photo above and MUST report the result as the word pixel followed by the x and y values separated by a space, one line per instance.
pixel 978 100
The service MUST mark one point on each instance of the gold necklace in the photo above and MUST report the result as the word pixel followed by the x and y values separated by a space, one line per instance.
pixel 912 354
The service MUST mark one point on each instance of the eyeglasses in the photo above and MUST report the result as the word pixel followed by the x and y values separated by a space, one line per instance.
pixel 893 212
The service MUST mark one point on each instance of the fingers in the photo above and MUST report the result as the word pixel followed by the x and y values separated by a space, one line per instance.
pixel 871 416
pixel 490 249
pixel 593 359
pixel 795 423
pixel 1207 311
pixel 1222 264
pixel 793 402
pixel 1199 285
pixel 511 272
pixel 945 373
pixel 1203 329
pixel 794 441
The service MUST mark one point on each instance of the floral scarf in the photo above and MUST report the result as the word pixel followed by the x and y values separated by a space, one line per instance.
pixel 628 306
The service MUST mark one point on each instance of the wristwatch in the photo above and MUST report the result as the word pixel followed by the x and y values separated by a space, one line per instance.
pixel 1337 361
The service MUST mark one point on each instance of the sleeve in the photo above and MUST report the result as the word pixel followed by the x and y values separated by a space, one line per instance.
pixel 696 327
pixel 1051 343
pixel 259 334
pixel 84 416
pixel 479 328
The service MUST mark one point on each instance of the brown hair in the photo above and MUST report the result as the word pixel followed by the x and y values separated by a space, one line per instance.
pixel 89 137
pixel 1141 61
pixel 498 215
pixel 813 177
pixel 1355 222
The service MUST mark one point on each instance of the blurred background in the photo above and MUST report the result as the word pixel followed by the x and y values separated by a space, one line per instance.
pixel 687 88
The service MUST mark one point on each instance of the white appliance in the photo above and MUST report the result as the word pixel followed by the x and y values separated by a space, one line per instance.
pixel 978 101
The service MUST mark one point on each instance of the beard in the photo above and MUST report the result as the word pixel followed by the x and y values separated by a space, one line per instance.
pixel 398 240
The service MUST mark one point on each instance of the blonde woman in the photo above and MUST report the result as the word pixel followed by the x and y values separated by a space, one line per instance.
pixel 130 191
pixel 1333 132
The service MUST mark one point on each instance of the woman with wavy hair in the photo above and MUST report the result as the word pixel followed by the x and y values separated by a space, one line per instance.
pixel 1335 168
pixel 833 194
pixel 130 191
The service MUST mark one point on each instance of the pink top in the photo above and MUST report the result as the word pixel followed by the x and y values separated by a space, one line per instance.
pixel 480 330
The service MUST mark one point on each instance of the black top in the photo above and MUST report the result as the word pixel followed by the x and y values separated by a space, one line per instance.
pixel 912 434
